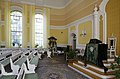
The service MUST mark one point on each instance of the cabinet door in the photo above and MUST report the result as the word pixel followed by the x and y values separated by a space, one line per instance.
pixel 92 53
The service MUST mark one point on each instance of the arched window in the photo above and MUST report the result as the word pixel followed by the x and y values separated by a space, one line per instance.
pixel 16 28
pixel 39 30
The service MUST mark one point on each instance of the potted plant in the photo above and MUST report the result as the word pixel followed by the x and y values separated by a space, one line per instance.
pixel 70 56
pixel 116 65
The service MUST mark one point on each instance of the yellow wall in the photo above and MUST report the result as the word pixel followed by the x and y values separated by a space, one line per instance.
pixel 26 22
pixel 113 21
pixel 85 26
pixel 2 27
pixel 61 35
pixel 101 28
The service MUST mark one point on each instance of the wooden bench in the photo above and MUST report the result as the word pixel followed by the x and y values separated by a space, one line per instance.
pixel 16 63
pixel 8 63
pixel 29 75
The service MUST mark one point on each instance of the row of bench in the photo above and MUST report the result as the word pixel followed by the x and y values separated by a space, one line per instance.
pixel 22 66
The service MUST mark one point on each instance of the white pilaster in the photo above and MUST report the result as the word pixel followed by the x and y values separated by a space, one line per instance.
pixel 45 28
pixel 104 29
pixel 103 13
pixel 68 36
pixel 96 24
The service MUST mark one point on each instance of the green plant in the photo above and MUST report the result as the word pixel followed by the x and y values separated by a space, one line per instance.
pixel 71 54
pixel 36 45
pixel 117 65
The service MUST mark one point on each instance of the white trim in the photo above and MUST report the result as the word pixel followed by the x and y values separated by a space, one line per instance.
pixel 96 68
pixel 80 46
pixel 45 28
pixel 79 21
pixel 103 13
pixel 58 27
pixel 71 37
pixel 67 4
pixel 54 19
pixel 103 5
pixel 61 45
pixel 80 72
pixel 16 8
pixel 37 11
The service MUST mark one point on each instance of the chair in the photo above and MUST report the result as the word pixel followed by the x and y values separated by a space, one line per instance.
pixel 112 46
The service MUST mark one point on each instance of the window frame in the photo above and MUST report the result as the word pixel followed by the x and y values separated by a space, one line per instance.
pixel 41 34
pixel 17 31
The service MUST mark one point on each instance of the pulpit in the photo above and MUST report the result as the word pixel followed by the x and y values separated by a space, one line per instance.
pixel 96 52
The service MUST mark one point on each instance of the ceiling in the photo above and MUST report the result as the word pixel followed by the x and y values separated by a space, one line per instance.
pixel 47 3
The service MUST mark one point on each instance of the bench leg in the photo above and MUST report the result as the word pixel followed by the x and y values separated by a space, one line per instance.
pixel 3 72
pixel 15 68
pixel 31 67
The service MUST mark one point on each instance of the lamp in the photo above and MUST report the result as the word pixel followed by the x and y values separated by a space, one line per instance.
pixel 83 34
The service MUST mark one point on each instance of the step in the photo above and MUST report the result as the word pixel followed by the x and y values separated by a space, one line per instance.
pixel 95 67
pixel 90 71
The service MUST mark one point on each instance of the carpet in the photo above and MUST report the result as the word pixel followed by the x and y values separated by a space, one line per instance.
pixel 56 68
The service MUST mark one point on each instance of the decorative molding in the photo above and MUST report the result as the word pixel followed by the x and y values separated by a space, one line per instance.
pixel 67 4
pixel 16 8
pixel 61 45
pixel 104 15
pixel 39 11
pixel 79 21
pixel 103 5
pixel 80 46
pixel 58 27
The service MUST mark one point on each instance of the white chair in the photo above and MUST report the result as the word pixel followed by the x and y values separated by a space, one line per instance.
pixel 49 54
pixel 39 55
pixel 112 46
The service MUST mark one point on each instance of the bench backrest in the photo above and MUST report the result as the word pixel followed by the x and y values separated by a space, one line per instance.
pixel 5 54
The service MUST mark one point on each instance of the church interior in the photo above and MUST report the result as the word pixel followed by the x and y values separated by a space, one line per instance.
pixel 59 39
